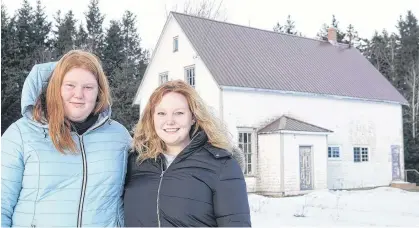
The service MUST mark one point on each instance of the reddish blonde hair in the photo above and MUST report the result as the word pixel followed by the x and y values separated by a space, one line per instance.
pixel 59 126
pixel 146 141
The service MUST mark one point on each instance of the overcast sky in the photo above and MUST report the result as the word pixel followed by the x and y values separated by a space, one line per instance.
pixel 309 15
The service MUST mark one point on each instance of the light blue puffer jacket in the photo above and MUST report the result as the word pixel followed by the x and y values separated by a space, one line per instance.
pixel 42 187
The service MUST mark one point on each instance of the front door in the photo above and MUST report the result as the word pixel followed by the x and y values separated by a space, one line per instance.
pixel 395 162
pixel 306 171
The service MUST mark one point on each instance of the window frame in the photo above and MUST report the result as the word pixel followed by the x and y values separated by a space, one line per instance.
pixel 249 149
pixel 163 74
pixel 361 154
pixel 190 79
pixel 339 151
pixel 176 44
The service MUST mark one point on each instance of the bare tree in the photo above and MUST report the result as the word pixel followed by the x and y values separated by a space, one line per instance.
pixel 412 82
pixel 204 8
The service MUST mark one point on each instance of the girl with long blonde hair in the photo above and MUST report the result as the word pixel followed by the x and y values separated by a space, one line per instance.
pixel 183 171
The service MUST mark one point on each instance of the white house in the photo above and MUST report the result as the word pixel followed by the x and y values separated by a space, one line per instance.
pixel 309 114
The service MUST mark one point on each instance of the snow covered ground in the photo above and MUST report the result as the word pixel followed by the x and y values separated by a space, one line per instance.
pixel 381 207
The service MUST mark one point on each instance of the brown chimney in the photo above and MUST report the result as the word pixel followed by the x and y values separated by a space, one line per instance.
pixel 331 35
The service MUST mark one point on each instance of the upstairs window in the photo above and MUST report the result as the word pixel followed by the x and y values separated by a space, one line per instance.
pixel 175 44
pixel 190 75
pixel 163 77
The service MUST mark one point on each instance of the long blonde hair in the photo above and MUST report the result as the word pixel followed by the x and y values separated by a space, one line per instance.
pixel 146 141
pixel 59 127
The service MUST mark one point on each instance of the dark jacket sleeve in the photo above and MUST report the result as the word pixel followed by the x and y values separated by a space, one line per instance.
pixel 231 205
pixel 130 167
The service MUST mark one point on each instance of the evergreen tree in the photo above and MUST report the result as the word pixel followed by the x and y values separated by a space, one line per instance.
pixel 114 55
pixel 18 48
pixel 42 29
pixel 94 21
pixel 132 49
pixel 351 37
pixel 24 32
pixel 288 28
pixel 9 43
pixel 81 38
pixel 126 79
pixel 10 71
pixel 65 34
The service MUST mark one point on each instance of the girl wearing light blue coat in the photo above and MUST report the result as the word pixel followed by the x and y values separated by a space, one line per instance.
pixel 64 162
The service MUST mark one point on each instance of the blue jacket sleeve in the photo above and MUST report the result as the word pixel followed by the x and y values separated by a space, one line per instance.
pixel 12 167
pixel 231 206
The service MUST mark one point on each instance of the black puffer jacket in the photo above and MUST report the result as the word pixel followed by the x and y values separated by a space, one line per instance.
pixel 204 186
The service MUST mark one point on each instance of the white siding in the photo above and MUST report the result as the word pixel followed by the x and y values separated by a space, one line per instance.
pixel 251 183
pixel 353 122
pixel 269 164
pixel 165 60
pixel 292 143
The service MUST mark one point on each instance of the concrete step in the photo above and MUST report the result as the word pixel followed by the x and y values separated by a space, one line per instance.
pixel 405 186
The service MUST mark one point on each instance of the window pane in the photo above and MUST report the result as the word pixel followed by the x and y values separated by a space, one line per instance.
pixel 241 137
pixel 249 137
pixel 175 43
pixel 336 152
pixel 364 158
pixel 245 138
pixel 364 154
pixel 249 158
pixel 357 155
pixel 249 169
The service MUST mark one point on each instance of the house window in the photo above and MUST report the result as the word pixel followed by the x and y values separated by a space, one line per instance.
pixel 163 77
pixel 245 144
pixel 175 44
pixel 190 75
pixel 333 152
pixel 361 154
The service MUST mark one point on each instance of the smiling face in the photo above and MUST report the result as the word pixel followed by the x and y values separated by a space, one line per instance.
pixel 173 121
pixel 79 92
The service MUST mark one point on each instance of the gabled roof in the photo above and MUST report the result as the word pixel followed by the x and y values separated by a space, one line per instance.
pixel 286 123
pixel 240 56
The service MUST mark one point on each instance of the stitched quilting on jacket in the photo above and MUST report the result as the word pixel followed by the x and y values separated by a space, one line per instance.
pixel 45 188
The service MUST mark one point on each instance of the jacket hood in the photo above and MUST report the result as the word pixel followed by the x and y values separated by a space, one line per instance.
pixel 34 84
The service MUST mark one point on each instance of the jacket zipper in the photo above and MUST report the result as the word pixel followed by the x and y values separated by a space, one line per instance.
pixel 158 194
pixel 158 190
pixel 83 187
pixel 84 181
